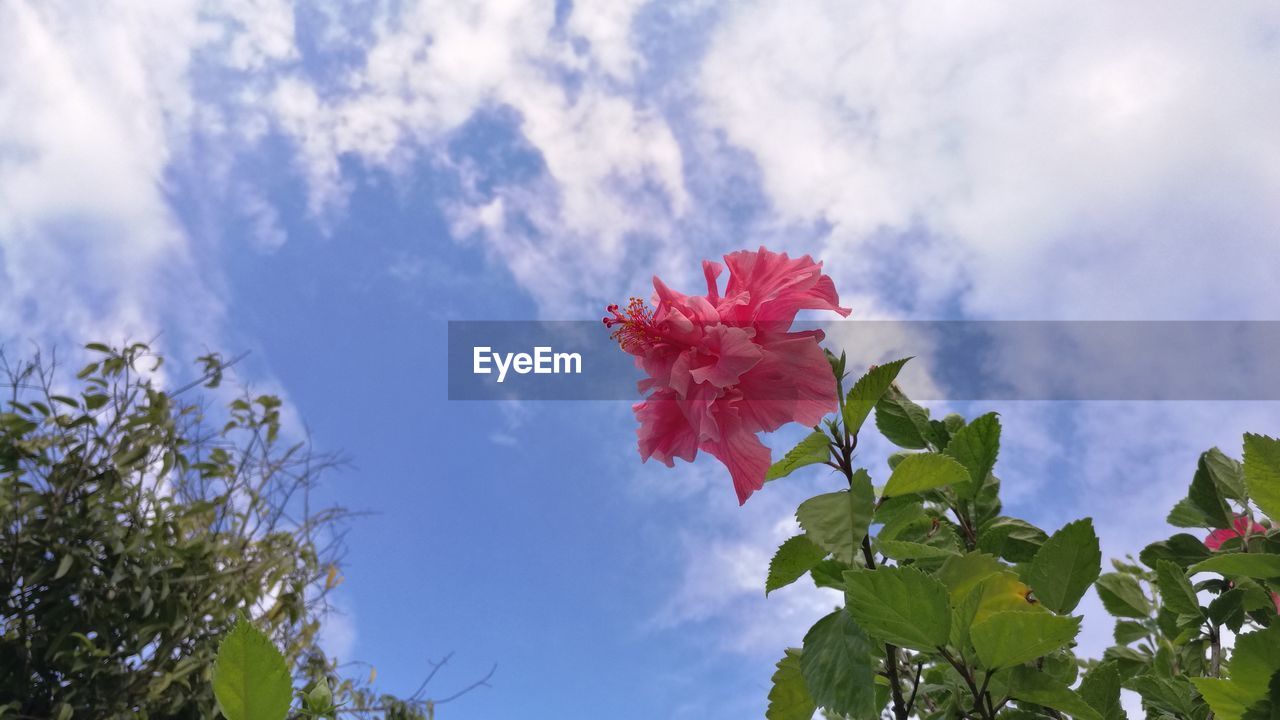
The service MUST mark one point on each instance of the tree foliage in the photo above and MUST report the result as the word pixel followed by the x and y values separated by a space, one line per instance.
pixel 138 523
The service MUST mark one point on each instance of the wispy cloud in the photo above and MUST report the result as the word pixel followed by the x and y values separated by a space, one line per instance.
pixel 1040 163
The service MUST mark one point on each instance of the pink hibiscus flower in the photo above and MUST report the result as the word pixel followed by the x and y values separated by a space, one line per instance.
pixel 1240 526
pixel 722 368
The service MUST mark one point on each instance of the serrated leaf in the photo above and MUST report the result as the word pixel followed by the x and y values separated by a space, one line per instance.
pixel 838 521
pixel 836 665
pixel 1005 639
pixel 903 422
pixel 924 471
pixel 812 450
pixel 1013 539
pixel 1000 591
pixel 1100 687
pixel 1004 592
pixel 794 558
pixel 1228 609
pixel 867 391
pixel 1066 566
pixel 897 515
pixel 829 574
pixel 1175 590
pixel 1227 473
pixel 976 446
pixel 1127 631
pixel 1122 596
pixel 900 605
pixel 1171 695
pixel 1262 473
pixel 1185 514
pixel 964 573
pixel 789 698
pixel 1182 549
pixel 1034 686
pixel 1255 659
pixel 1254 565
pixel 250 678
pixel 906 550
pixel 1206 497
pixel 1226 699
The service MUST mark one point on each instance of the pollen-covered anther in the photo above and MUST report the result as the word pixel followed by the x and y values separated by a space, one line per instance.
pixel 634 325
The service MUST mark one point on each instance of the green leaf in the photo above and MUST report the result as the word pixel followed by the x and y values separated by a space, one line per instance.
pixel 924 471
pixel 1228 609
pixel 1227 473
pixel 1171 695
pixel 1254 565
pixel 1127 631
pixel 976 446
pixel 1009 638
pixel 1183 549
pixel 907 550
pixel 898 515
pixel 903 422
pixel 1175 590
pixel 1101 689
pixel 900 605
pixel 1206 498
pixel 1185 514
pixel 250 678
pixel 64 565
pixel 836 665
pixel 1262 473
pixel 1255 659
pixel 1010 538
pixel 1065 566
pixel 963 573
pixel 1034 686
pixel 1122 596
pixel 829 574
pixel 1226 699
pixel 838 521
pixel 812 450
pixel 865 393
pixel 789 698
pixel 794 558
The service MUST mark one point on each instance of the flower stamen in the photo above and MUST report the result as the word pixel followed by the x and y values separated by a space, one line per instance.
pixel 634 326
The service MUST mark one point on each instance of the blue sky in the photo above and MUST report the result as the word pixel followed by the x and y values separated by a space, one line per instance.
pixel 329 185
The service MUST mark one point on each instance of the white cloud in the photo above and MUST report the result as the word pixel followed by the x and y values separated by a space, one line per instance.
pixel 338 631
pixel 1109 163
pixel 613 167
pixel 96 108
pixel 83 147
pixel 725 557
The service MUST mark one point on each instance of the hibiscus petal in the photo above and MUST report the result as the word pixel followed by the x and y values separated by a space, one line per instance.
pixel 742 452
pixel 664 431
pixel 778 286
pixel 1217 537
pixel 791 383
pixel 730 352
pixel 712 269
